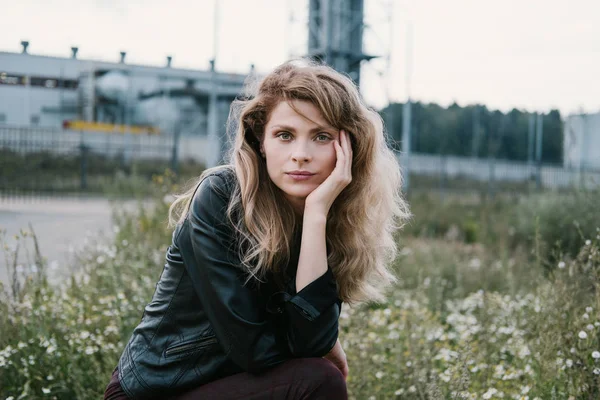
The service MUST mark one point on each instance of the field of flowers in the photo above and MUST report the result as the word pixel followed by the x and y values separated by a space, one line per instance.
pixel 473 316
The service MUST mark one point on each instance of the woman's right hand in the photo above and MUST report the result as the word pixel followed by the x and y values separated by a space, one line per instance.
pixel 338 357
pixel 321 199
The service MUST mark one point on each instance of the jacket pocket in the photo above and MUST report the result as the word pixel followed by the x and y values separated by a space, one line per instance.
pixel 190 346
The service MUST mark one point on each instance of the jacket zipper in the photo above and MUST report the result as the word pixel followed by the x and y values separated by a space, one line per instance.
pixel 182 348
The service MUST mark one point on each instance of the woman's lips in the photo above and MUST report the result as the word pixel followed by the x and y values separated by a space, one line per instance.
pixel 300 177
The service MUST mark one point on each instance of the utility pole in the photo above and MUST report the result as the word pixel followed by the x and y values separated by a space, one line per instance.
pixel 213 137
pixel 406 115
pixel 492 150
pixel 538 149
pixel 476 132
pixel 531 138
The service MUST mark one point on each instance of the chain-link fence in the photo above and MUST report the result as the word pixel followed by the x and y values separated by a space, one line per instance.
pixel 51 161
pixel 491 176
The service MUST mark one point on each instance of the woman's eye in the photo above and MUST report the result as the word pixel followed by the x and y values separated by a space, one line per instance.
pixel 323 138
pixel 284 136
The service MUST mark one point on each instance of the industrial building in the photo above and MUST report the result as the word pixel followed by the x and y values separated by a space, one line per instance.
pixel 51 91
pixel 582 141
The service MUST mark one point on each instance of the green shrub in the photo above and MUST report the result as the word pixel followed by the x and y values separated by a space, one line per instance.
pixel 559 223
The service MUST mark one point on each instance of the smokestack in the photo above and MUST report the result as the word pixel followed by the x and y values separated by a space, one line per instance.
pixel 25 45
pixel 123 54
pixel 169 58
pixel 74 51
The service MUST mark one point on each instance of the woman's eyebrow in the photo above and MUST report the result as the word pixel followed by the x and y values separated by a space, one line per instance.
pixel 313 130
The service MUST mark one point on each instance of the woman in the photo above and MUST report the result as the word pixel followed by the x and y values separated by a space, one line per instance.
pixel 267 248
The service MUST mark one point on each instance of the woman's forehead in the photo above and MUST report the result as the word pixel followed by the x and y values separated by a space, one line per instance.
pixel 299 112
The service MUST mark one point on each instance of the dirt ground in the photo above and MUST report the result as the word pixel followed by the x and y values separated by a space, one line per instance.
pixel 62 226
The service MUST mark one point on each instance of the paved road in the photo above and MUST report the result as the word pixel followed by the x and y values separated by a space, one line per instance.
pixel 62 225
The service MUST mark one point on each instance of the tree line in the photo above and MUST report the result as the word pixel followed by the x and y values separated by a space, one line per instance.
pixel 475 131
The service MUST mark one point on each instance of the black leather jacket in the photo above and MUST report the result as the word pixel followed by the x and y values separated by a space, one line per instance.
pixel 203 323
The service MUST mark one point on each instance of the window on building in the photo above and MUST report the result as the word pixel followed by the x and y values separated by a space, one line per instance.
pixel 11 79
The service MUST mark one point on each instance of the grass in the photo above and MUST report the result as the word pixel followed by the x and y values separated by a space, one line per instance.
pixel 475 314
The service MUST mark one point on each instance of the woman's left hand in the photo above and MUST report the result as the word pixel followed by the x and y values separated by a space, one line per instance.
pixel 321 199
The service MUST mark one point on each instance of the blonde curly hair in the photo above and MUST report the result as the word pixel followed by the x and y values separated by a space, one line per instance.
pixel 362 220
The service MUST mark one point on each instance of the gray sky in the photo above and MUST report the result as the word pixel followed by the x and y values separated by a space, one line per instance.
pixel 529 54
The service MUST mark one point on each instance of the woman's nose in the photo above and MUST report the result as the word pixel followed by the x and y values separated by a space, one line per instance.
pixel 301 154
pixel 301 157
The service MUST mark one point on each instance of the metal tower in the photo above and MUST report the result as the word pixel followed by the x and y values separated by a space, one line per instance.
pixel 335 34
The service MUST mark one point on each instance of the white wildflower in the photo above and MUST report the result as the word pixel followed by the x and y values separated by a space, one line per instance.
pixel 569 363
pixel 596 354
pixel 582 335
pixel 490 393
pixel 379 375
pixel 475 263
pixel 561 264
pixel 596 371
pixel 588 309
pixel 45 390
pixel 590 327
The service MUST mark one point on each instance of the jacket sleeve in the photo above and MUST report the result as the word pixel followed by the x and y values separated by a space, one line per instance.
pixel 311 315
pixel 239 318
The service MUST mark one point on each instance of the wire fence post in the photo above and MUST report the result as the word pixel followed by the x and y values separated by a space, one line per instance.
pixel 83 158
pixel 175 152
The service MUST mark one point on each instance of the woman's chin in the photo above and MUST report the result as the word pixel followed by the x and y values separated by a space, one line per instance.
pixel 298 194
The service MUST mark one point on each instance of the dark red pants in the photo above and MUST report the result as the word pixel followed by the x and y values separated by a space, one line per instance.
pixel 301 378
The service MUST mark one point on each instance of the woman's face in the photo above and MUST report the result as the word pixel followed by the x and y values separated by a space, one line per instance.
pixel 298 143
